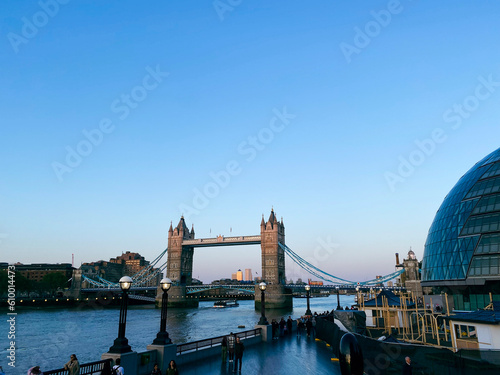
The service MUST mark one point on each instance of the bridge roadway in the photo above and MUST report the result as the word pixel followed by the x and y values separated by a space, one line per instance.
pixel 223 241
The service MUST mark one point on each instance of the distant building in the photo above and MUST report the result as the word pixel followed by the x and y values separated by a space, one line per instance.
pixel 248 274
pixel 239 275
pixel 103 269
pixel 410 279
pixel 132 262
pixel 127 264
pixel 233 276
pixel 37 271
pixel 257 278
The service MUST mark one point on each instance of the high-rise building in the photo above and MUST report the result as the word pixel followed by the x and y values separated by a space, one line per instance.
pixel 239 275
pixel 248 274
pixel 233 276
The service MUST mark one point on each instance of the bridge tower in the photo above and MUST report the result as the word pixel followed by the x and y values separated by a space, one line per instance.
pixel 272 233
pixel 179 266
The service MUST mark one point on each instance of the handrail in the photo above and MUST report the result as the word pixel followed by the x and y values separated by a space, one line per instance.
pixel 213 341
pixel 85 369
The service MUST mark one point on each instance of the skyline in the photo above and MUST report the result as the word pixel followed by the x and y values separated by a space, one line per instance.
pixel 352 120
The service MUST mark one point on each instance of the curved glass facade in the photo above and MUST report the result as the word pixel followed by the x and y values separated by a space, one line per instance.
pixel 464 239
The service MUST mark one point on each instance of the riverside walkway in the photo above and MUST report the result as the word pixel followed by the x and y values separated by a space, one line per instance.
pixel 289 355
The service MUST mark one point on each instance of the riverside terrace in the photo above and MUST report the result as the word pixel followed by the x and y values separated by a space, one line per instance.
pixel 291 354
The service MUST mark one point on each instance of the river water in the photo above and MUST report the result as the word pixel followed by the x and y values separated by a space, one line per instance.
pixel 47 337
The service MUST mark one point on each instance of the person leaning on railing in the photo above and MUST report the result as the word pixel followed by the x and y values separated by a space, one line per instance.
pixel 72 365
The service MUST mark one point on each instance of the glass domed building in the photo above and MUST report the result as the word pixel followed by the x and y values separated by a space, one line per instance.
pixel 462 251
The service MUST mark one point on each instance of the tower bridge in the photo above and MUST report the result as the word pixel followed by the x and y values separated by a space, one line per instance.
pixel 181 244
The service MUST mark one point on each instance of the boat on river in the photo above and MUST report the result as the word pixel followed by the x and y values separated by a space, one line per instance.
pixel 226 303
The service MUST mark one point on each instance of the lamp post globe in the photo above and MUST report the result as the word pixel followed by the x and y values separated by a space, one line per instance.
pixel 125 283
pixel 120 345
pixel 263 320
pixel 162 337
pixel 165 283
pixel 308 290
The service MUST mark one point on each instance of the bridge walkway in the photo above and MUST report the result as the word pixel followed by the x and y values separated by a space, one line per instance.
pixel 289 355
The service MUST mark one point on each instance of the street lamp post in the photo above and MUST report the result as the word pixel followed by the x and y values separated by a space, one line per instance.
pixel 338 298
pixel 120 345
pixel 162 336
pixel 308 289
pixel 358 296
pixel 263 320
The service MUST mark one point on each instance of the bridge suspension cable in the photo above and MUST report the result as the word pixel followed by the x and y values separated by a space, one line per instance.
pixel 325 276
pixel 151 266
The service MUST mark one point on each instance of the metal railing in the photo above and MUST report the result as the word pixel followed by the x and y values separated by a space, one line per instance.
pixel 85 369
pixel 214 341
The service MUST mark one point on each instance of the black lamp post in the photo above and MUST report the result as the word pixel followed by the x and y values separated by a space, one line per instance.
pixel 338 298
pixel 308 290
pixel 162 336
pixel 120 345
pixel 263 320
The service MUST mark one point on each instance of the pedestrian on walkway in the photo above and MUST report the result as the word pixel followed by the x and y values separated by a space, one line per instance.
pixel 156 370
pixel 308 327
pixel 172 368
pixel 407 367
pixel 72 365
pixel 117 368
pixel 275 329
pixel 231 340
pixel 313 327
pixel 282 325
pixel 238 352
pixel 300 325
pixel 289 325
pixel 224 349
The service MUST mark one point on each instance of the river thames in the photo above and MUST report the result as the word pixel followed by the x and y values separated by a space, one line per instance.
pixel 47 337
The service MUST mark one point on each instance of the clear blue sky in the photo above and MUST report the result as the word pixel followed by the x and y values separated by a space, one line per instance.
pixel 170 92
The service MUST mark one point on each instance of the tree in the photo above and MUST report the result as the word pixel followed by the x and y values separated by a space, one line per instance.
pixel 53 281
pixel 3 282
